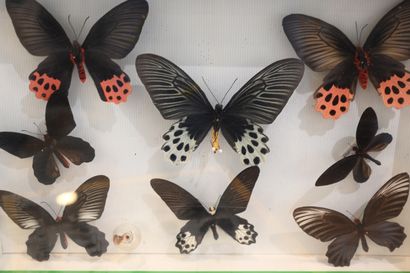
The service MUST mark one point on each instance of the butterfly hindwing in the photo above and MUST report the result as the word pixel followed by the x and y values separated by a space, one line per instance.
pixel 76 150
pixel 40 243
pixel 192 233
pixel 45 167
pixel 238 228
pixel 59 117
pixel 89 237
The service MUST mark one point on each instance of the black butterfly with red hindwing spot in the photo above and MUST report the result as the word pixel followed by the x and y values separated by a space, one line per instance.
pixel 178 97
pixel 329 225
pixel 88 206
pixel 57 143
pixel 323 47
pixel 233 201
pixel 112 37
pixel 367 141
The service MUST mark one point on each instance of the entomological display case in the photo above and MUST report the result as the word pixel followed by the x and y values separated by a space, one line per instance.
pixel 227 135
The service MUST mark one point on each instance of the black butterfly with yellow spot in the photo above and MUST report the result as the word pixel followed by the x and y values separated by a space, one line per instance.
pixel 178 97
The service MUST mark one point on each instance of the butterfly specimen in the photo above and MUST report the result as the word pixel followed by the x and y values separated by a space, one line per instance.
pixel 112 37
pixel 57 143
pixel 89 205
pixel 329 225
pixel 233 201
pixel 367 141
pixel 323 47
pixel 178 97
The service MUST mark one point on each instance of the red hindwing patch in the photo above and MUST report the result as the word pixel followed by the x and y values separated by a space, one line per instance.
pixel 332 101
pixel 395 91
pixel 117 89
pixel 43 85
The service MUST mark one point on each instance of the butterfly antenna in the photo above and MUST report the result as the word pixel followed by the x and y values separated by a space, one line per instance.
pixel 361 31
pixel 227 92
pixel 351 214
pixel 45 203
pixel 71 26
pixel 209 89
pixel 82 28
pixel 38 128
pixel 357 32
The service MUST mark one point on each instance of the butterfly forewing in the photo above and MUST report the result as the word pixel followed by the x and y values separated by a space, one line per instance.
pixel 320 45
pixel 20 145
pixel 338 171
pixel 181 202
pixel 25 213
pixel 264 96
pixel 391 35
pixel 173 92
pixel 323 224
pixel 91 197
pixel 388 201
pixel 367 128
pixel 117 32
pixel 236 197
pixel 36 28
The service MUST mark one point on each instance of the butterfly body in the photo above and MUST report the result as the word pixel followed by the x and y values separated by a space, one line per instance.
pixel 113 36
pixel 77 58
pixel 324 48
pixel 362 63
pixel 233 201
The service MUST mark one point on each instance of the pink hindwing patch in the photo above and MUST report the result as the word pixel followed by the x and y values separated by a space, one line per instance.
pixel 117 89
pixel 332 101
pixel 395 92
pixel 43 85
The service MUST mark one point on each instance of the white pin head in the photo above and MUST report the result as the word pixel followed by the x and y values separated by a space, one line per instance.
pixel 212 210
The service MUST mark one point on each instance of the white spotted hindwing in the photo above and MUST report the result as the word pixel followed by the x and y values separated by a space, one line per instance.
pixel 251 145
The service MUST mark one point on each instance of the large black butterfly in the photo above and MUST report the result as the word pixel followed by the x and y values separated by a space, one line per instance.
pixel 112 37
pixel 323 47
pixel 327 225
pixel 233 201
pixel 60 122
pixel 367 141
pixel 89 205
pixel 259 101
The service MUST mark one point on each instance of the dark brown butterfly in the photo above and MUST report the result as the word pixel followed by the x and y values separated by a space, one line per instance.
pixel 329 225
pixel 367 141
pixel 88 206
pixel 323 47
pixel 233 201
pixel 56 144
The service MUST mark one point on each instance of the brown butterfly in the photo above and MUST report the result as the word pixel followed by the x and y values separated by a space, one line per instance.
pixel 329 225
